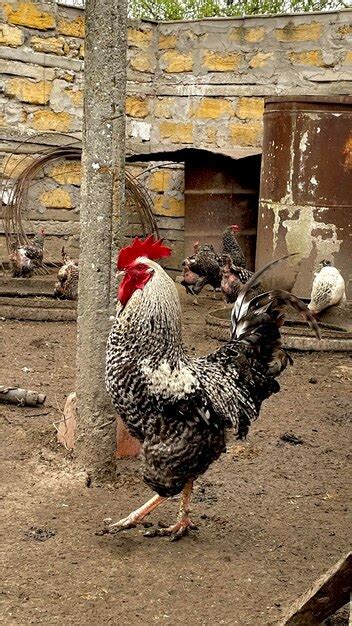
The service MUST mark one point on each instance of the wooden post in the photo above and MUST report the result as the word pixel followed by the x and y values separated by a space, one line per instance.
pixel 328 594
pixel 101 224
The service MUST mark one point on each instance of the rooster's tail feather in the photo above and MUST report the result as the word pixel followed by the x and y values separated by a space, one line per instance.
pixel 257 321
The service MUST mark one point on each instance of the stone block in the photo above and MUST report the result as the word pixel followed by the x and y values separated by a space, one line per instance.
pixel 253 35
pixel 27 90
pixel 13 165
pixel 54 45
pixel 261 59
pixel 67 173
pixel 221 62
pixel 167 41
pixel 143 62
pixel 176 132
pixel 307 57
pixel 246 134
pixel 57 199
pixel 49 120
pixel 30 14
pixel 299 32
pixel 174 62
pixel 348 58
pixel 17 68
pixel 11 36
pixel 212 109
pixel 136 107
pixel 169 206
pixel 164 107
pixel 139 38
pixel 250 108
pixel 345 30
pixel 160 180
pixel 71 28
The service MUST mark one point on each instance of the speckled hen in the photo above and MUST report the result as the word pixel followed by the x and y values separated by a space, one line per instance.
pixel 181 407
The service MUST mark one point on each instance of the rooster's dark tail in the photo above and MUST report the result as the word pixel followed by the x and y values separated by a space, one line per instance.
pixel 257 321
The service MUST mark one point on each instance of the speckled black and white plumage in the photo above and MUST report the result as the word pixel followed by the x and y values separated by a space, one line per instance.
pixel 180 407
pixel 231 246
pixel 233 278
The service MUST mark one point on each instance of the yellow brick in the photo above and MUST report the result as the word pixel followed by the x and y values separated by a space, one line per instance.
pixel 29 14
pixel 72 28
pixel 218 62
pixel 139 38
pixel 348 58
pixel 136 107
pixel 302 32
pixel 246 134
pixel 310 57
pixel 260 59
pixel 250 108
pixel 212 109
pixel 49 120
pixel 67 173
pixel 345 30
pixel 176 132
pixel 160 180
pixel 76 97
pixel 167 41
pixel 15 164
pixel 143 62
pixel 53 45
pixel 57 199
pixel 28 91
pixel 163 107
pixel 165 205
pixel 253 35
pixel 175 61
pixel 11 36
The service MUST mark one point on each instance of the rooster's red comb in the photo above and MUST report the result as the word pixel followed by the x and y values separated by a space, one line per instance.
pixel 150 248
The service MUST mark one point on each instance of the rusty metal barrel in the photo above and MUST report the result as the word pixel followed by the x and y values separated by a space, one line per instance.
pixel 306 189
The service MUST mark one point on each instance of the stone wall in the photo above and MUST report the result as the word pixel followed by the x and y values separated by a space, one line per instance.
pixel 199 83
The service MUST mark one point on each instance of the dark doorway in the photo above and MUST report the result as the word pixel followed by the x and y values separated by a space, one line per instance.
pixel 220 191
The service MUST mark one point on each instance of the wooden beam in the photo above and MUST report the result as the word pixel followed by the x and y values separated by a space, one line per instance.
pixel 328 594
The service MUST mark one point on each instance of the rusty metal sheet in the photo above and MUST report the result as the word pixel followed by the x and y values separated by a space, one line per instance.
pixel 219 192
pixel 306 187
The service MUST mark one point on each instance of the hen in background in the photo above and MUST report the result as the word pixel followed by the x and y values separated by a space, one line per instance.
pixel 24 259
pixel 328 288
pixel 66 287
pixel 231 246
pixel 233 278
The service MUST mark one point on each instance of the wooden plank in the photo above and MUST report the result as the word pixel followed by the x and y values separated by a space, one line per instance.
pixel 328 594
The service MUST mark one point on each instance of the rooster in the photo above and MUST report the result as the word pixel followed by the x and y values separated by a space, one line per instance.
pixel 233 278
pixel 181 407
pixel 25 259
pixel 328 288
pixel 66 286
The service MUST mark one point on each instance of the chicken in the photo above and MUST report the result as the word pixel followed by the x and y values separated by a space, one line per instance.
pixel 66 286
pixel 231 246
pixel 233 278
pixel 180 407
pixel 328 288
pixel 200 269
pixel 204 267
pixel 25 259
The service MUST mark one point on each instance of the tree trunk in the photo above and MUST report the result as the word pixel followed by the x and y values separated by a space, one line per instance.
pixel 102 219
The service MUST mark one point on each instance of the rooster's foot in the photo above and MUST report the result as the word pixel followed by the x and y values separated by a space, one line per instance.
pixel 175 532
pixel 133 519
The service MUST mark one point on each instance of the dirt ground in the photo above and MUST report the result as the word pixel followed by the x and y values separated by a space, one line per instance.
pixel 272 515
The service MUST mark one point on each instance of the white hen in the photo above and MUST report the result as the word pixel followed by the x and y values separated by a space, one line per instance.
pixel 328 288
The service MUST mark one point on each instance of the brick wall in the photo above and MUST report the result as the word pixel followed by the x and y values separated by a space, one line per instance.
pixel 198 83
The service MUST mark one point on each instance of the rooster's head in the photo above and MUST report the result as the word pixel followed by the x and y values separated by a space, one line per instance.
pixel 135 263
pixel 235 228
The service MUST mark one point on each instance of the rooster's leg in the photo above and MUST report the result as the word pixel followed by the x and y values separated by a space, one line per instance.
pixel 133 518
pixel 183 522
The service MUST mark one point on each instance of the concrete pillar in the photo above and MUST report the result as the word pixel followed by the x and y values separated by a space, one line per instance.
pixel 101 224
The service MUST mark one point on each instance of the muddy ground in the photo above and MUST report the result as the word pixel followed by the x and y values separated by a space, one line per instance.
pixel 272 515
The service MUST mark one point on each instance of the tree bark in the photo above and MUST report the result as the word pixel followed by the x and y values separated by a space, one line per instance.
pixel 102 219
